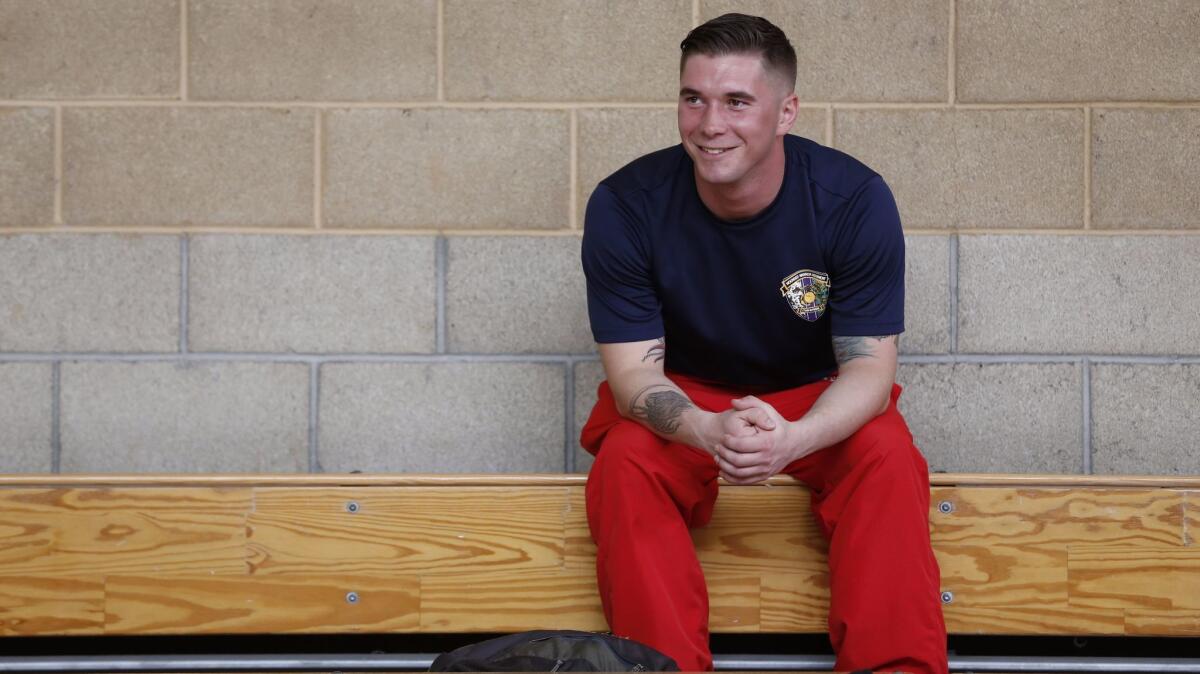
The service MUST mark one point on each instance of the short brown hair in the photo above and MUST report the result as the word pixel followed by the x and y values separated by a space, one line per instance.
pixel 743 34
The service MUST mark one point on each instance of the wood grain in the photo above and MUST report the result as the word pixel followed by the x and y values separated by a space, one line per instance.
pixel 32 605
pixel 1032 620
pixel 1144 577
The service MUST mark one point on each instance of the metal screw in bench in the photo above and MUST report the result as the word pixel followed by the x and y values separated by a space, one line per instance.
pixel 352 507
pixel 947 597
pixel 351 597
pixel 946 507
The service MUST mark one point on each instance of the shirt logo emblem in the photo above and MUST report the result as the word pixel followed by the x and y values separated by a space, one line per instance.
pixel 807 292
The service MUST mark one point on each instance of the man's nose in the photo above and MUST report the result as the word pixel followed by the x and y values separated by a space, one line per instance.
pixel 713 122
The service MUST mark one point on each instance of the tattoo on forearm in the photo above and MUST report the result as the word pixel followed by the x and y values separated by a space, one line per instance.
pixel 661 409
pixel 846 349
pixel 657 352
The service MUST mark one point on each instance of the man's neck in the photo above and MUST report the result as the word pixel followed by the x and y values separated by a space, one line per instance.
pixel 749 196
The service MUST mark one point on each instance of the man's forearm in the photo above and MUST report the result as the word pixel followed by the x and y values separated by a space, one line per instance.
pixel 658 404
pixel 859 394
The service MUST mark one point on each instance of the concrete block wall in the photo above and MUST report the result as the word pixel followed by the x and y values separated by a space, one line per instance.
pixel 335 235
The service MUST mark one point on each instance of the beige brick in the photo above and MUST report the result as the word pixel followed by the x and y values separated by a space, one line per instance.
pixel 859 50
pixel 89 293
pixel 588 376
pixel 356 294
pixel 926 295
pixel 185 417
pixel 442 417
pixel 1067 50
pixel 447 168
pixel 1078 294
pixel 26 166
pixel 974 168
pixel 1146 168
pixel 516 295
pixel 1144 419
pixel 26 417
pixel 996 418
pixel 378 50
pixel 609 138
pixel 188 166
pixel 85 49
pixel 564 50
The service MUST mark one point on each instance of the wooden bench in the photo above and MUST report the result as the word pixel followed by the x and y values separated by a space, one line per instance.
pixel 275 554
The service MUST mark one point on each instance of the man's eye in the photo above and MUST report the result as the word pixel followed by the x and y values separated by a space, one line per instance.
pixel 737 103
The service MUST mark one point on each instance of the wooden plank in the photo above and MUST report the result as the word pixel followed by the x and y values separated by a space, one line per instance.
pixel 1134 577
pixel 436 531
pixel 31 606
pixel 1004 575
pixel 795 602
pixel 733 602
pixel 275 605
pixel 153 531
pixel 1056 517
pixel 1032 620
pixel 1162 623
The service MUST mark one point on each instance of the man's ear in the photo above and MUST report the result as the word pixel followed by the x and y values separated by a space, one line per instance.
pixel 787 113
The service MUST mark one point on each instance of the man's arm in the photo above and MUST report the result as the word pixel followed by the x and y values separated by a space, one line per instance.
pixel 645 394
pixel 867 370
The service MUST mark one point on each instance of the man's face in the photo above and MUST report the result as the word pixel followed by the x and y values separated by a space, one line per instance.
pixel 730 112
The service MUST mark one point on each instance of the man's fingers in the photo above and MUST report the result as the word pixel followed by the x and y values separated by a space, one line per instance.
pixel 732 458
pixel 748 443
pixel 756 411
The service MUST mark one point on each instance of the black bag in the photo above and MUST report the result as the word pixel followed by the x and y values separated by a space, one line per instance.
pixel 554 651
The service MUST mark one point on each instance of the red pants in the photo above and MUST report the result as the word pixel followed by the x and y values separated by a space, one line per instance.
pixel 870 495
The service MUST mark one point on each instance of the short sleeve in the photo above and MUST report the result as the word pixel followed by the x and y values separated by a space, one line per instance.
pixel 866 294
pixel 623 305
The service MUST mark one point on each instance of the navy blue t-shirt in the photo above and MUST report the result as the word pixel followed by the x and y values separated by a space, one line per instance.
pixel 751 304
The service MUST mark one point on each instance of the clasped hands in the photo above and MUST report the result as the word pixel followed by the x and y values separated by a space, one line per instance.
pixel 755 442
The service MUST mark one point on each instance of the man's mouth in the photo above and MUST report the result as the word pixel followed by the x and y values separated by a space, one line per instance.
pixel 713 150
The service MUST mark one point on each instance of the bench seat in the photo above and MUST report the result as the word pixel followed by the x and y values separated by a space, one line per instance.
pixel 273 554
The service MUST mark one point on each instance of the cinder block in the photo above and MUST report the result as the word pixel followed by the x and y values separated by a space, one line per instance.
pixel 442 417
pixel 859 50
pixel 973 168
pixel 1145 168
pixel 89 293
pixel 564 50
pixel 1061 50
pixel 340 294
pixel 609 138
pixel 26 417
pixel 1078 294
pixel 588 376
pixel 447 168
pixel 26 166
pixel 996 418
pixel 516 295
pixel 185 417
pixel 926 295
pixel 81 49
pixel 1144 419
pixel 313 50
pixel 187 166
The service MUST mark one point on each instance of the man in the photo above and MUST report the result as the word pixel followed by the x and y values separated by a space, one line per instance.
pixel 746 291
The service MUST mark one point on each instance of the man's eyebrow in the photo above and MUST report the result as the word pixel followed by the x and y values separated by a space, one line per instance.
pixel 685 91
pixel 742 95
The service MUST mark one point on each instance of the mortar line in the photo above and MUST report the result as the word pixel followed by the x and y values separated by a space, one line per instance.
pixel 953 293
pixel 184 291
pixel 829 126
pixel 1087 416
pixel 573 197
pixel 160 102
pixel 951 60
pixel 314 399
pixel 183 50
pixel 441 50
pixel 56 417
pixel 1087 167
pixel 695 13
pixel 318 168
pixel 568 417
pixel 58 165
pixel 292 231
pixel 441 253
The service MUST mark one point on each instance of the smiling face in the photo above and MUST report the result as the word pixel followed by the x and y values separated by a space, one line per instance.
pixel 732 117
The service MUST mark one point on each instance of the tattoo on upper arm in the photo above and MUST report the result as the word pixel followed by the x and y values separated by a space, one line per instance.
pixel 660 409
pixel 656 352
pixel 846 349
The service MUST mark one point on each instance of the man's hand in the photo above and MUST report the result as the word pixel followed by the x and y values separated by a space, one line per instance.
pixel 752 457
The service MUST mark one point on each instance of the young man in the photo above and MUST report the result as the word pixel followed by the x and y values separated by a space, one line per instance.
pixel 746 291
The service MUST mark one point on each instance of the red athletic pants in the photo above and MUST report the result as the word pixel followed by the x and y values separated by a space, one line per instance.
pixel 870 495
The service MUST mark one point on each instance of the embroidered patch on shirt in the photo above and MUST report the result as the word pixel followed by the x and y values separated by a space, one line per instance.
pixel 807 292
